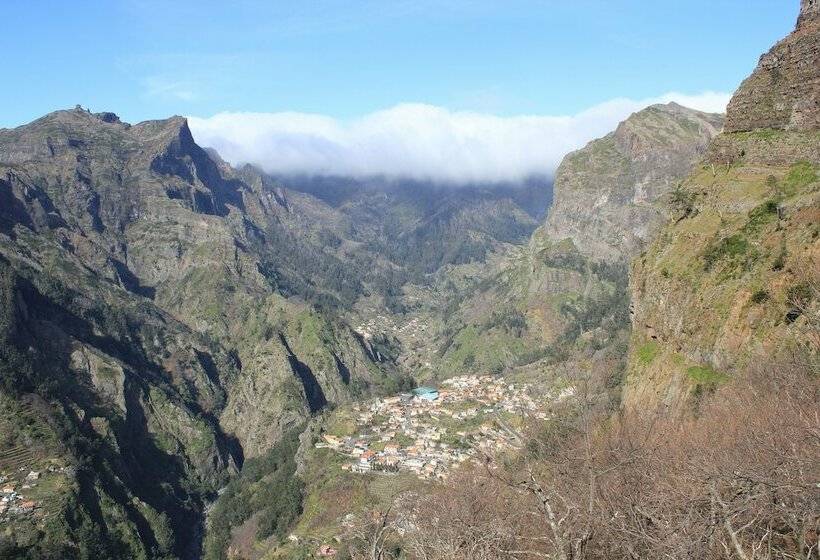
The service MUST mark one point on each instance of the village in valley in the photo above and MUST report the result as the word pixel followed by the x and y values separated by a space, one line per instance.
pixel 22 490
pixel 432 430
pixel 12 502
pixel 28 478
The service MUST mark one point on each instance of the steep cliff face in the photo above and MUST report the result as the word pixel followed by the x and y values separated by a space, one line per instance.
pixel 142 278
pixel 129 399
pixel 784 90
pixel 567 287
pixel 609 196
pixel 732 280
pixel 295 362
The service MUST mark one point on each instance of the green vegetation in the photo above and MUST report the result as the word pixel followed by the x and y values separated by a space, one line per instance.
pixel 731 252
pixel 780 259
pixel 800 175
pixel 765 133
pixel 800 295
pixel 510 320
pixel 609 305
pixel 759 296
pixel 648 352
pixel 682 202
pixel 705 376
pixel 387 348
pixel 760 216
pixel 16 373
pixel 798 298
pixel 268 488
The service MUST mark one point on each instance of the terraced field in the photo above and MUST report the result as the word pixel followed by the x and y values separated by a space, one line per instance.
pixel 15 458
pixel 25 438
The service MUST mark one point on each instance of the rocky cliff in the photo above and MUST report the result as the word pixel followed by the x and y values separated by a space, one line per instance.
pixel 564 293
pixel 731 282
pixel 783 92
pixel 609 196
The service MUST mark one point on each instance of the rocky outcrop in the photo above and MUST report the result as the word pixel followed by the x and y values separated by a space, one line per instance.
pixel 809 12
pixel 783 92
pixel 302 362
pixel 609 196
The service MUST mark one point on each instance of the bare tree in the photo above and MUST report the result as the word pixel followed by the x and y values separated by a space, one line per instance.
pixel 738 480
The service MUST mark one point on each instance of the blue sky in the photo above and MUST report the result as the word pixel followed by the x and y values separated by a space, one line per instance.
pixel 345 59
pixel 150 59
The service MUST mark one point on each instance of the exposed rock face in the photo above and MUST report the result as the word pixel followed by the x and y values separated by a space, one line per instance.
pixel 809 12
pixel 784 90
pixel 608 196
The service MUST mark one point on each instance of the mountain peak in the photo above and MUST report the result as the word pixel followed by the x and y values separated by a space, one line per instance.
pixel 172 127
pixel 608 194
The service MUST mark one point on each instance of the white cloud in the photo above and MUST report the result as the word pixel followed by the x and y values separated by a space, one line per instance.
pixel 420 141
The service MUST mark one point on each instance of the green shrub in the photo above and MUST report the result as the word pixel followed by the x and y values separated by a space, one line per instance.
pixel 682 202
pixel 730 247
pixel 800 175
pixel 771 181
pixel 780 260
pixel 798 297
pixel 760 296
pixel 760 216
pixel 800 294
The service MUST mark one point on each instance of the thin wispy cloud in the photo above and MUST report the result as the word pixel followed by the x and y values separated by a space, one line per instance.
pixel 420 141
pixel 162 87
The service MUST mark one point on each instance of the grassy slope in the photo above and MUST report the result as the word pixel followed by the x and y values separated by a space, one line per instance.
pixel 726 281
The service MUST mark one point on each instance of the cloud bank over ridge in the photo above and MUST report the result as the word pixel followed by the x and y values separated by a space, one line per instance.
pixel 418 141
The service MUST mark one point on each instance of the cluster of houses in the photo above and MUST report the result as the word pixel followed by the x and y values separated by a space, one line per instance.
pixel 430 431
pixel 12 503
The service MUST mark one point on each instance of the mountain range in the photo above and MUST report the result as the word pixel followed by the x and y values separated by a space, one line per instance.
pixel 174 331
